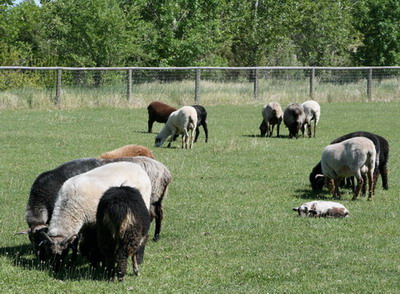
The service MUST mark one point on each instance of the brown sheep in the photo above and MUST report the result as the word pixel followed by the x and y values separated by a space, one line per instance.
pixel 128 151
pixel 159 112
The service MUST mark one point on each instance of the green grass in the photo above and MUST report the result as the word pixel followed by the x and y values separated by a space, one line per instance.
pixel 228 226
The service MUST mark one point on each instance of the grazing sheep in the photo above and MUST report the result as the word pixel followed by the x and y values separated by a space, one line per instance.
pixel 78 199
pixel 352 157
pixel 312 111
pixel 43 196
pixel 294 117
pixel 128 151
pixel 322 209
pixel 122 223
pixel 317 180
pixel 183 120
pixel 272 115
pixel 201 121
pixel 158 112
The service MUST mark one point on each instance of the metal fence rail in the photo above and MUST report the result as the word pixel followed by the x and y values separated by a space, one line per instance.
pixel 259 83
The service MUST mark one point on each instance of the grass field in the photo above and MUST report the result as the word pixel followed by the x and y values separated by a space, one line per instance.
pixel 229 225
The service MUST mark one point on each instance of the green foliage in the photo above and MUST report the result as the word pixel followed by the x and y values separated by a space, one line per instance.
pixel 229 225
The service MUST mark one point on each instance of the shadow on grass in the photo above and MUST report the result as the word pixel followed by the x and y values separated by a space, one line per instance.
pixel 268 138
pixel 22 256
pixel 311 195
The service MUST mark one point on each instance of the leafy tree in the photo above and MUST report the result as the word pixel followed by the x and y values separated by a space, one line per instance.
pixel 378 22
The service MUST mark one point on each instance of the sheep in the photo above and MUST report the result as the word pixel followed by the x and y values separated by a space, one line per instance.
pixel 352 157
pixel 183 120
pixel 317 180
pixel 312 111
pixel 272 115
pixel 159 112
pixel 322 209
pixel 201 121
pixel 78 199
pixel 128 151
pixel 43 195
pixel 294 117
pixel 122 224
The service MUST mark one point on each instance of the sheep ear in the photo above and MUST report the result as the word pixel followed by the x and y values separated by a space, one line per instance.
pixel 319 176
pixel 295 208
pixel 26 232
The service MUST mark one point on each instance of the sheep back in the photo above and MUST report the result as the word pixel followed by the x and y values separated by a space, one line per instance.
pixel 122 223
pixel 293 118
pixel 127 151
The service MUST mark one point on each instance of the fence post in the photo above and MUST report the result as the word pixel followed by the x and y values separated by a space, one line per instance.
pixel 197 86
pixel 256 84
pixel 369 85
pixel 129 88
pixel 312 83
pixel 57 99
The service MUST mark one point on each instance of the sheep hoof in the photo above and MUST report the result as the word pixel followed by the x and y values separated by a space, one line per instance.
pixel 156 238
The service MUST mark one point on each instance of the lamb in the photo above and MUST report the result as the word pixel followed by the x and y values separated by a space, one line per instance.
pixel 312 111
pixel 294 117
pixel 272 115
pixel 78 199
pixel 352 157
pixel 201 121
pixel 183 120
pixel 159 112
pixel 317 180
pixel 122 224
pixel 322 209
pixel 128 151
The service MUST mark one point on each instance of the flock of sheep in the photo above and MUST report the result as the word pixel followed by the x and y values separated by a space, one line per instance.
pixel 102 207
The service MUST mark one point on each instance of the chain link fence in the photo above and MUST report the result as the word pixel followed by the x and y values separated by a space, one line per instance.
pixel 62 87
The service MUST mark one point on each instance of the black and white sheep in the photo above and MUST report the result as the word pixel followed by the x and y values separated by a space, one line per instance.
pixel 352 157
pixel 122 223
pixel 294 118
pixel 317 180
pixel 78 199
pixel 272 115
pixel 312 111
pixel 159 112
pixel 319 208
pixel 182 121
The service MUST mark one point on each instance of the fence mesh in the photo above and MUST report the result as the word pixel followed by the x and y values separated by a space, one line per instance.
pixel 136 87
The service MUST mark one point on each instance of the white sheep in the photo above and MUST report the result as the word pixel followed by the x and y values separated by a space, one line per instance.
pixel 78 199
pixel 312 110
pixel 182 121
pixel 322 209
pixel 352 157
pixel 272 115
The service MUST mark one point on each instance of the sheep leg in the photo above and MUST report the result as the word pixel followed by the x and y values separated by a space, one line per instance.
pixel 384 173
pixel 192 137
pixel 315 126
pixel 359 185
pixel 364 186
pixel 277 130
pixel 172 138
pixel 122 261
pixel 150 125
pixel 197 135
pixel 371 185
pixel 336 193
pixel 159 215
pixel 309 130
pixel 205 128
pixel 272 130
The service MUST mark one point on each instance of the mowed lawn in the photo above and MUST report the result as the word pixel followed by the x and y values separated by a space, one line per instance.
pixel 229 225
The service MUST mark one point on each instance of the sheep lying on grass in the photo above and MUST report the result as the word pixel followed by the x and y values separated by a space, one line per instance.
pixel 317 180
pixel 78 199
pixel 184 121
pixel 128 151
pixel 352 157
pixel 294 117
pixel 312 111
pixel 122 223
pixel 159 112
pixel 322 209
pixel 272 115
